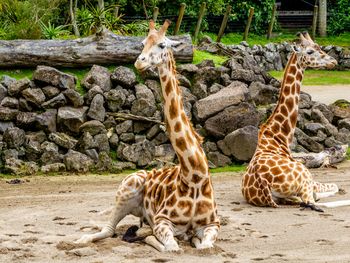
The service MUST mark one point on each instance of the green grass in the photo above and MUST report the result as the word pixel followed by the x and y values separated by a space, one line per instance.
pixel 199 56
pixel 320 77
pixel 235 38
pixel 231 168
pixel 348 154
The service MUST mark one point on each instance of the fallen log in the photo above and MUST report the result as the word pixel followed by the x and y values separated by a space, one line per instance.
pixel 129 116
pixel 103 49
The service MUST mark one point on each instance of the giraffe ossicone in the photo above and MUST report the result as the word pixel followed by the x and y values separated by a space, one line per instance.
pixel 176 201
pixel 272 173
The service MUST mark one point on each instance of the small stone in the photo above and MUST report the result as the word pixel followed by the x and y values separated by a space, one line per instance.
pixel 55 102
pixel 8 114
pixel 125 126
pixel 127 137
pixel 124 76
pixel 74 98
pixel 97 76
pixel 53 168
pixel 9 102
pixel 33 95
pixel 50 91
pixel 102 143
pixel 97 110
pixel 218 159
pixel 18 86
pixel 93 127
pixel 114 140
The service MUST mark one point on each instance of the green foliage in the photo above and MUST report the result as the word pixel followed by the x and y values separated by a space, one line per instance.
pixel 50 31
pixel 348 154
pixel 339 20
pixel 199 56
pixel 232 168
pixel 21 19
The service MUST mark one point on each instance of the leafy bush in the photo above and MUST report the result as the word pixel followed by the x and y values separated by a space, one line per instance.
pixel 339 20
pixel 50 31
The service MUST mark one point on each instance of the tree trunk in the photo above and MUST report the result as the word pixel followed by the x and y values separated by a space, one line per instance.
pixel 72 11
pixel 106 48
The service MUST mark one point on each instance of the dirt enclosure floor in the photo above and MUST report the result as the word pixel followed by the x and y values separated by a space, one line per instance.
pixel 41 217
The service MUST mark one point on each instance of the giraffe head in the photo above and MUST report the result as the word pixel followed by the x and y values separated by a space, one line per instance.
pixel 310 55
pixel 156 47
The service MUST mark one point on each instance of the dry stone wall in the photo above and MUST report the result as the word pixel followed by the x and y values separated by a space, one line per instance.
pixel 46 125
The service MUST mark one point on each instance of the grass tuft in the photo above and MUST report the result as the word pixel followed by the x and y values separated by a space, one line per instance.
pixel 200 55
pixel 231 168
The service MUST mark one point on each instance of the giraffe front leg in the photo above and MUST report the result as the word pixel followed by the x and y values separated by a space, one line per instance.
pixel 307 197
pixel 163 231
pixel 206 237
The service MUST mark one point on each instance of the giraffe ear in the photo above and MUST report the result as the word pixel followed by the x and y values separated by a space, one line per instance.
pixel 296 48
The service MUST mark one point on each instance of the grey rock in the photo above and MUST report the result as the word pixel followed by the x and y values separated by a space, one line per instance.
pixel 232 118
pixel 141 153
pixel 263 94
pixel 3 92
pixel 325 111
pixel 4 125
pixel 102 143
pixel 125 126
pixel 74 97
pixel 99 76
pixel 200 90
pixel 50 91
pixel 69 118
pixel 92 93
pixel 215 88
pixel 86 141
pixel 156 89
pixel 188 70
pixel 187 95
pixel 206 63
pixel 10 153
pixel 53 168
pixel 241 143
pixel 63 140
pixel 160 138
pixel 55 102
pixel 97 110
pixel 345 123
pixel 231 95
pixel 164 153
pixel 110 122
pixel 113 141
pixel 93 127
pixel 129 100
pixel 105 163
pixel 32 145
pixel 246 75
pixel 140 138
pixel 127 137
pixel 343 136
pixel 312 129
pixel 50 153
pixel 210 147
pixel 340 109
pixel 34 95
pixel 124 76
pixel 77 162
pixel 6 81
pixel 14 137
pixel 18 86
pixel 144 104
pixel 152 132
pixel 8 114
pixel 307 142
pixel 120 166
pixel 9 102
pixel 92 153
pixel 19 167
pixel 24 105
pixel 183 81
pixel 49 147
pixel 46 121
pixel 51 76
pixel 115 99
pixel 218 159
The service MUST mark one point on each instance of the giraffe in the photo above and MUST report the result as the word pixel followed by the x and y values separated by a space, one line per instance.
pixel 174 201
pixel 273 174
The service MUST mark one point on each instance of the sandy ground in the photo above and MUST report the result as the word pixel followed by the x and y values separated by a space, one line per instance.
pixel 40 217
pixel 328 93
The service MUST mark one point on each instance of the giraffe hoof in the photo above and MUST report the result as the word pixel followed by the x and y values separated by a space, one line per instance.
pixel 130 235
pixel 311 206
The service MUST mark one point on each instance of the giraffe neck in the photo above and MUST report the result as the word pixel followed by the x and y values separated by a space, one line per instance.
pixel 280 126
pixel 184 139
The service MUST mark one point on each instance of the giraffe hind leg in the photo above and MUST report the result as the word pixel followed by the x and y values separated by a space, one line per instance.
pixel 128 199
pixel 324 190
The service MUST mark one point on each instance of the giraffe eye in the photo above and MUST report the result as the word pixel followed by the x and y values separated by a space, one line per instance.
pixel 161 45
pixel 309 52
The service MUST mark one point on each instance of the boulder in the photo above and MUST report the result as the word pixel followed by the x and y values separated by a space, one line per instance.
pixel 340 109
pixel 115 99
pixel 14 137
pixel 124 76
pixel 34 95
pixel 24 105
pixel 209 146
pixel 263 94
pixel 97 76
pixel 325 111
pixel 46 121
pixel 4 125
pixel 141 153
pixel 343 136
pixel 164 153
pixel 200 90
pixel 32 145
pixel 53 168
pixel 69 118
pixel 154 85
pixel 6 81
pixel 8 114
pixel 92 153
pixel 16 87
pixel 97 110
pixel 218 159
pixel 183 81
pixel 26 120
pixel 77 162
pixel 113 141
pixel 9 102
pixel 93 127
pixel 55 102
pixel 19 167
pixel 104 163
pixel 50 153
pixel 231 119
pixel 50 91
pixel 3 92
pixel 241 143
pixel 74 97
pixel 145 104
pixel 188 70
pixel 312 129
pixel 63 140
pixel 86 141
pixel 233 94
pixel 102 143
pixel 215 88
pixel 345 123
pixel 245 75
pixel 50 76
pixel 127 137
pixel 307 142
